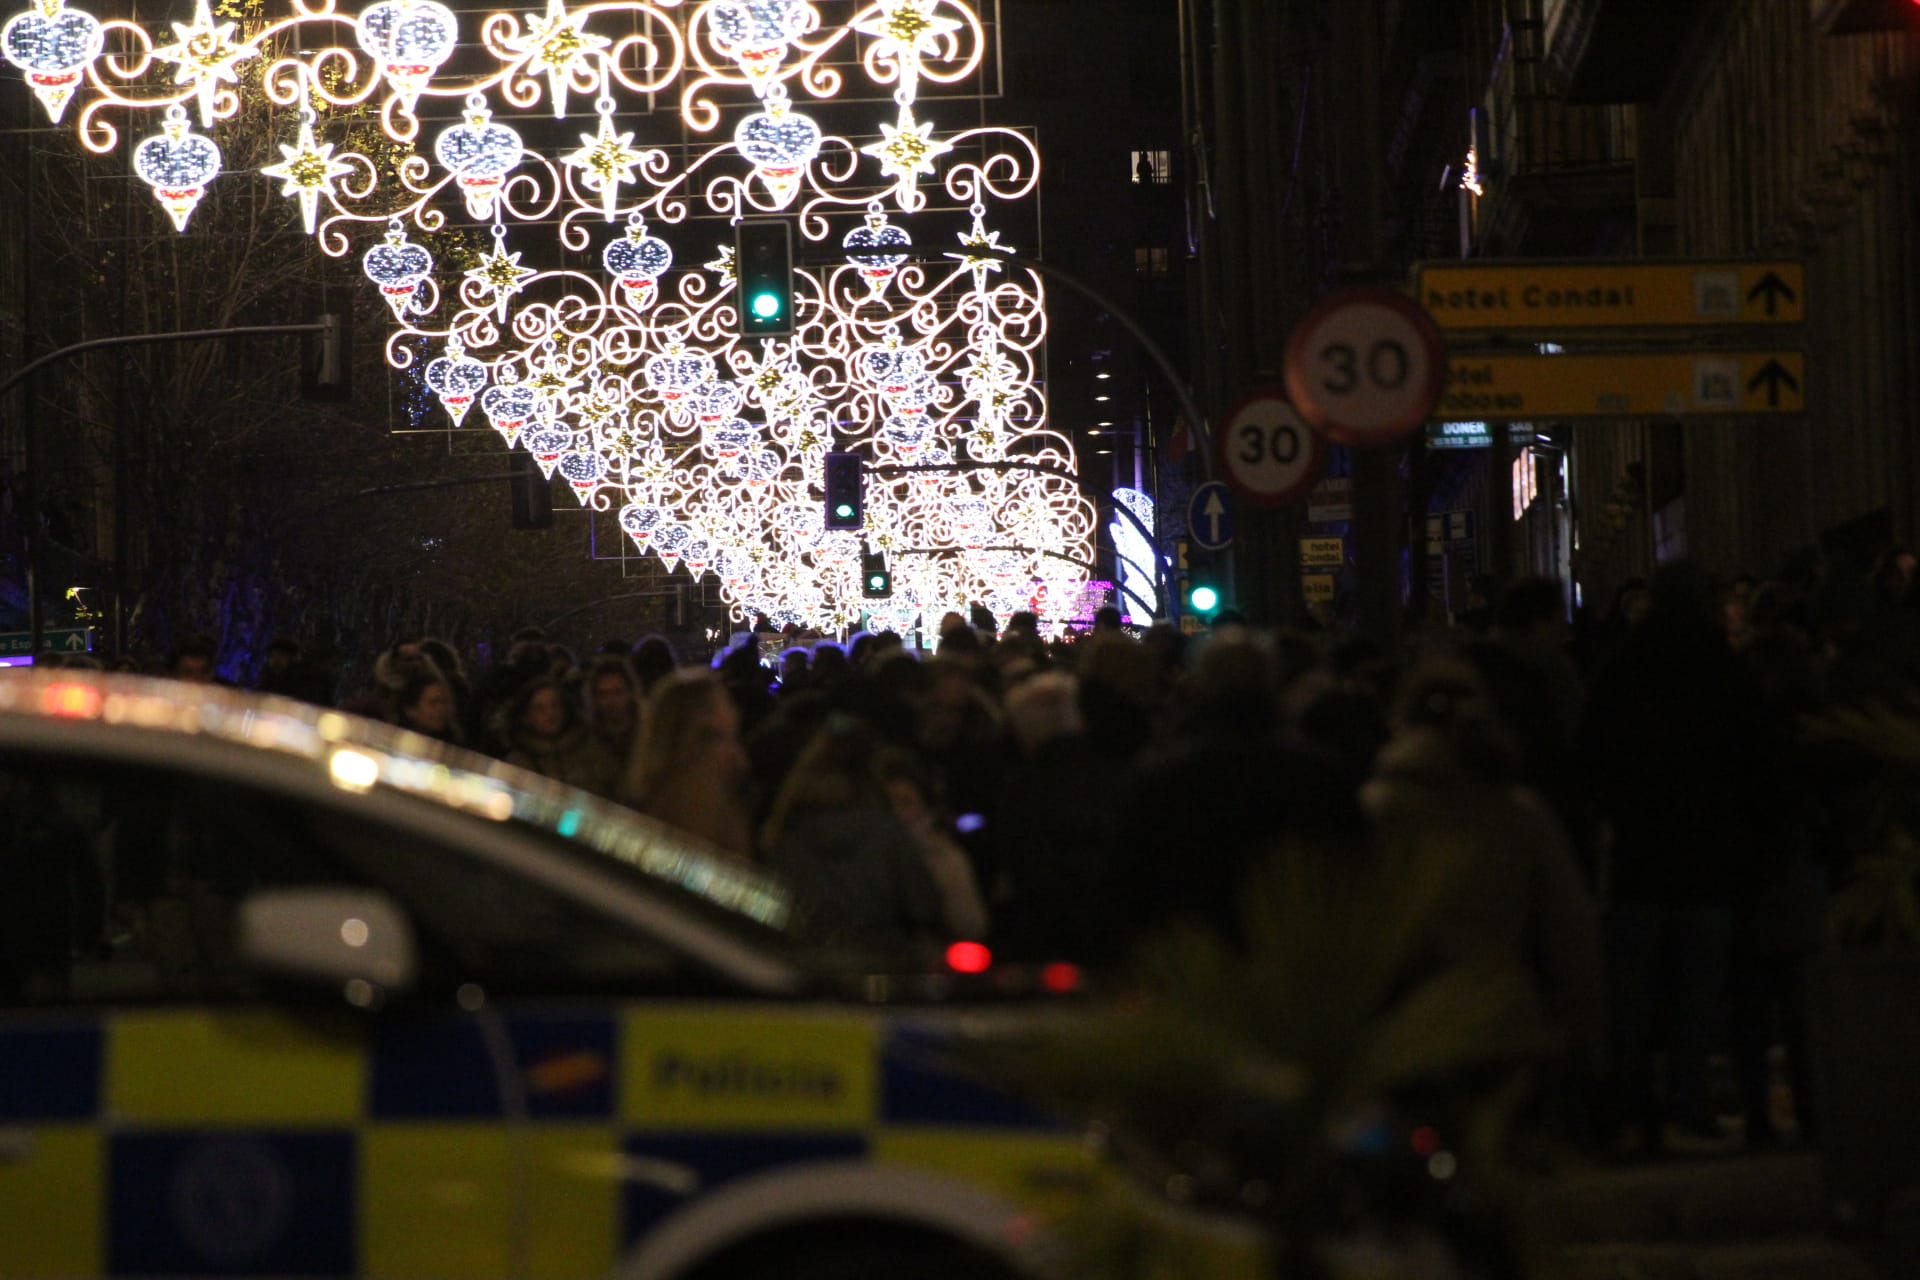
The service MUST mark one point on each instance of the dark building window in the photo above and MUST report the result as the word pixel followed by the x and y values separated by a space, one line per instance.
pixel 1152 168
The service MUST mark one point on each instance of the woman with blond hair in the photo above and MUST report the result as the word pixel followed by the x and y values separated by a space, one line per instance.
pixel 688 764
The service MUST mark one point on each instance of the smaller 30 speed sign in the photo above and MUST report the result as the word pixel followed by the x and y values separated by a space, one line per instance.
pixel 1366 366
pixel 1267 452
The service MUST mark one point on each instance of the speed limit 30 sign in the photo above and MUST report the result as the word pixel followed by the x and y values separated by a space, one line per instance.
pixel 1267 452
pixel 1366 366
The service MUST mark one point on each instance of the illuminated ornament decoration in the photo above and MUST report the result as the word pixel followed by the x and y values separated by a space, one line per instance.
pixel 984 251
pixel 308 171
pixel 675 372
pixel 205 55
pixel 399 267
pixel 871 248
pixel 456 378
pixel 584 472
pixel 178 164
pixel 1139 583
pixel 638 260
pixel 499 275
pixel 780 142
pixel 606 162
pixel 626 376
pixel 905 32
pixel 409 40
pixel 756 33
pixel 547 444
pixel 906 151
pixel 508 407
pixel 640 522
pixel 479 154
pixel 53 46
pixel 555 45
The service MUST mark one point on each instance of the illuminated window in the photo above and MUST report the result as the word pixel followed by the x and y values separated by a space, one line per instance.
pixel 1152 168
pixel 1150 262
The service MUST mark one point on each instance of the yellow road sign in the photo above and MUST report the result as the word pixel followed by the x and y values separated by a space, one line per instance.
pixel 1318 553
pixel 1318 588
pixel 1533 297
pixel 1718 384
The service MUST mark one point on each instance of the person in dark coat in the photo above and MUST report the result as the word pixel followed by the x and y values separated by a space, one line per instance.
pixel 1678 746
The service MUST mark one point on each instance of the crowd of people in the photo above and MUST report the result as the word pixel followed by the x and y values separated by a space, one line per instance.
pixel 1639 818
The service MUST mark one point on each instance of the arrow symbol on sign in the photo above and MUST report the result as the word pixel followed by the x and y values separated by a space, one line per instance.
pixel 1215 511
pixel 1773 289
pixel 1773 375
pixel 78 640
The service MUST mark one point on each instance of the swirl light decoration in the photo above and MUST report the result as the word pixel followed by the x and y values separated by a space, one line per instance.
pixel 628 379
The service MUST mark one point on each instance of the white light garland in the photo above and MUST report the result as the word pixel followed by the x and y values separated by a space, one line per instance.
pixel 628 381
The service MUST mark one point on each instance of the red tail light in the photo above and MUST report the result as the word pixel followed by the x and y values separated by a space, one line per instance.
pixel 969 957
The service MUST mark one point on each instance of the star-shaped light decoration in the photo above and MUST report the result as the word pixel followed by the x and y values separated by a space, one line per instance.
pixel 308 171
pixel 205 54
pixel 723 266
pixel 984 250
pixel 606 162
pixel 558 47
pixel 498 276
pixel 906 151
pixel 553 385
pixel 907 31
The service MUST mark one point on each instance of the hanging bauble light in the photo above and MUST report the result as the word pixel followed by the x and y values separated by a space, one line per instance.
pixel 479 154
pixel 877 249
pixel 641 522
pixel 675 372
pixel 780 143
pixel 178 164
pixel 408 40
pixel 53 46
pixel 456 378
pixel 756 33
pixel 584 471
pixel 399 267
pixel 508 408
pixel 638 260
pixel 547 442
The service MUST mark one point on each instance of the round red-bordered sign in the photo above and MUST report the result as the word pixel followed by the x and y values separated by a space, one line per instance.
pixel 1268 454
pixel 1366 366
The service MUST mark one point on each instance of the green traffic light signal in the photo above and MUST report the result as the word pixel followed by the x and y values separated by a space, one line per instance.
pixel 844 511
pixel 1205 600
pixel 766 306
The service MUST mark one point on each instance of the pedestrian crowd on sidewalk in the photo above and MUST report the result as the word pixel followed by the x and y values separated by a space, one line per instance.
pixel 1638 811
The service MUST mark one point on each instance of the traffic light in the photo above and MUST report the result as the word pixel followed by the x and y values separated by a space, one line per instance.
pixel 876 580
pixel 1203 597
pixel 763 270
pixel 326 367
pixel 532 493
pixel 845 507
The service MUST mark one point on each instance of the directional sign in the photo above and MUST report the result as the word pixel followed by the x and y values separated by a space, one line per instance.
pixel 1519 297
pixel 1210 517
pixel 64 640
pixel 1317 588
pixel 1267 452
pixel 1723 384
pixel 1323 553
pixel 1365 366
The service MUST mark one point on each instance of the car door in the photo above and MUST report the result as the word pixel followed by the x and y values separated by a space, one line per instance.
pixel 164 1112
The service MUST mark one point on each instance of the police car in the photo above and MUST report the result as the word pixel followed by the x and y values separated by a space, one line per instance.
pixel 285 993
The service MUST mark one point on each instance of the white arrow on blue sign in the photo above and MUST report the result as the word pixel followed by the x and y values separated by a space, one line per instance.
pixel 1210 517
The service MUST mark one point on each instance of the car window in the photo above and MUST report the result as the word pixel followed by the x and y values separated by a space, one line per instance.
pixel 123 884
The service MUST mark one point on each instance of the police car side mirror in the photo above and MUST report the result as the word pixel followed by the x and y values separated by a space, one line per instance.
pixel 357 941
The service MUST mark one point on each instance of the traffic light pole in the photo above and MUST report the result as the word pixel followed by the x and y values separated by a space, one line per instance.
pixel 23 377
